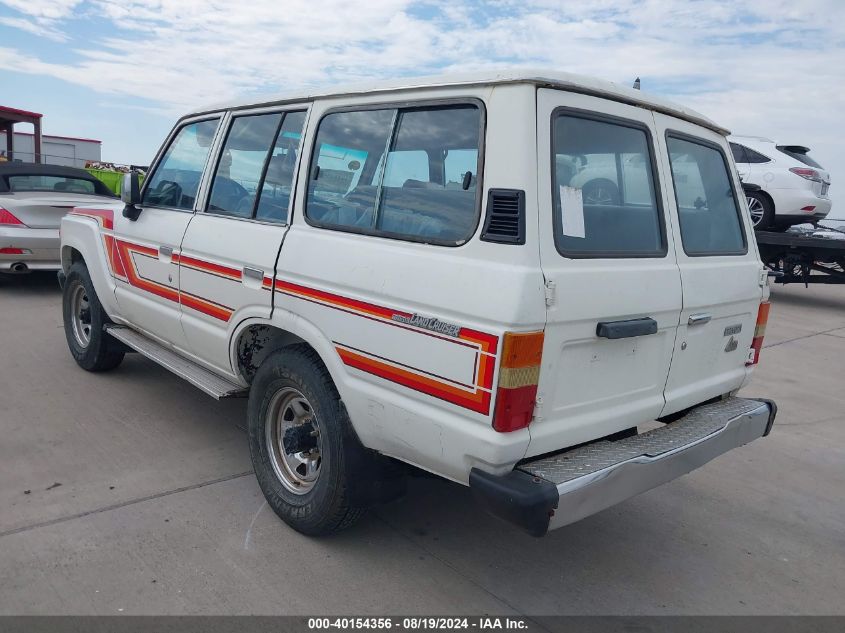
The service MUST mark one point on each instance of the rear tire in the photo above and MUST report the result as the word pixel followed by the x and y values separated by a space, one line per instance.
pixel 84 320
pixel 311 490
pixel 762 211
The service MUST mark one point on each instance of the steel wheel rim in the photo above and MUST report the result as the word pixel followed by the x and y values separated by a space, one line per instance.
pixel 297 472
pixel 80 315
pixel 755 207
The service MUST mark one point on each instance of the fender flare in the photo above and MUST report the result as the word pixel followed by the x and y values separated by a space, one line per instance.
pixel 83 235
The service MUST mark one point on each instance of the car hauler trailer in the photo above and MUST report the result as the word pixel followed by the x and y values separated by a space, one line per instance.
pixel 808 256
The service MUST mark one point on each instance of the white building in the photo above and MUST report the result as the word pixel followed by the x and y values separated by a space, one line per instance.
pixel 55 150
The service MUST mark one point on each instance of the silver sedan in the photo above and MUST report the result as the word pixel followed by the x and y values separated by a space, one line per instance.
pixel 33 199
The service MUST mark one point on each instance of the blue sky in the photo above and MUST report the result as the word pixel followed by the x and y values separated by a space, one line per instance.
pixel 123 71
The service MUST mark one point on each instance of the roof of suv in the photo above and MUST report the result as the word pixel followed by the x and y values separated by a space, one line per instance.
pixel 543 78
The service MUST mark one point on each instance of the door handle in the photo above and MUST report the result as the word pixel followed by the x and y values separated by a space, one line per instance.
pixel 253 273
pixel 627 328
pixel 167 251
pixel 699 319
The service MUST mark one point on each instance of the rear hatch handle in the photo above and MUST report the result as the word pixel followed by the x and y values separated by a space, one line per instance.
pixel 627 328
pixel 699 319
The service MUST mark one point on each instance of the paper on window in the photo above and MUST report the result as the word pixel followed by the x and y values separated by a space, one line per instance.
pixel 572 211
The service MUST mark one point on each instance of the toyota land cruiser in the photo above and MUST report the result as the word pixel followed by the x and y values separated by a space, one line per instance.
pixel 499 279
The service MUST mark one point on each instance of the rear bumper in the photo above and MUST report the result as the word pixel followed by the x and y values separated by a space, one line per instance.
pixel 554 491
pixel 789 205
pixel 41 249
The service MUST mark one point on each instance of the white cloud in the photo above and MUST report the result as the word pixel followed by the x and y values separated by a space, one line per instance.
pixel 773 67
pixel 47 9
pixel 34 27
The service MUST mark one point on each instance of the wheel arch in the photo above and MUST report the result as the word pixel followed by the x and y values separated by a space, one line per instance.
pixel 81 241
pixel 768 197
pixel 255 339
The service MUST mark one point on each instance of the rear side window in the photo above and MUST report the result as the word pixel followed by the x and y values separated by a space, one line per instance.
pixel 406 173
pixel 176 178
pixel 756 157
pixel 743 154
pixel 707 208
pixel 604 192
pixel 738 152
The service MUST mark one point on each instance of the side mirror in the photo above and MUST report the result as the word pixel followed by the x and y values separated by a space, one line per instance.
pixel 130 193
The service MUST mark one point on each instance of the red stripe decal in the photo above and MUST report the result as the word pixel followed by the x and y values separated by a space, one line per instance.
pixel 478 401
pixel 204 266
pixel 104 216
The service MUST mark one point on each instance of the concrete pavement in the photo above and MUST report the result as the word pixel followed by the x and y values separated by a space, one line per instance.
pixel 131 492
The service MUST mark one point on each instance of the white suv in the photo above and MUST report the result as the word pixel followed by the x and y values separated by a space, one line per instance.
pixel 409 274
pixel 793 187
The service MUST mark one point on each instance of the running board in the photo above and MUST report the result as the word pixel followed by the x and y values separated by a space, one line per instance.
pixel 198 376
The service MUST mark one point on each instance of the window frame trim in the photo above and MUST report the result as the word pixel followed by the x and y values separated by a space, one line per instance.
pixel 399 107
pixel 557 220
pixel 697 140
pixel 220 116
pixel 231 115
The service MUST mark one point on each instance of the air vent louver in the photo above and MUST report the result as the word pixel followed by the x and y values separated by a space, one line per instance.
pixel 505 221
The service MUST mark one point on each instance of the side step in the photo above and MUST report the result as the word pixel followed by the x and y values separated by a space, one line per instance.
pixel 200 377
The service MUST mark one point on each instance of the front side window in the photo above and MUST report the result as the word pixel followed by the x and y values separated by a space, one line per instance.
pixel 605 201
pixel 176 178
pixel 406 173
pixel 707 209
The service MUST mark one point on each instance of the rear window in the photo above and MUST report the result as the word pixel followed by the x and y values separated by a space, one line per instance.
pixel 707 208
pixel 58 184
pixel 605 200
pixel 801 154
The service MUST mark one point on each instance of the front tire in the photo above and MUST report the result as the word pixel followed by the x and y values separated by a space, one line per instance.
pixel 84 320
pixel 309 480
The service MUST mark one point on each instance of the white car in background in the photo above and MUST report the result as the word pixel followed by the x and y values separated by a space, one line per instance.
pixel 793 187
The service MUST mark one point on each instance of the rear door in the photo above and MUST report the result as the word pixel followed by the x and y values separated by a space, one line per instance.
pixel 720 267
pixel 614 289
pixel 228 256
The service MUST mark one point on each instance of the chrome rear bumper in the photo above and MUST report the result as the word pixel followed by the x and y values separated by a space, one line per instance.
pixel 553 491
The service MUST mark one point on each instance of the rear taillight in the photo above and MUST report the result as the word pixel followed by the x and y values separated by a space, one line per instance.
pixel 8 219
pixel 519 374
pixel 806 173
pixel 759 333
pixel 15 251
